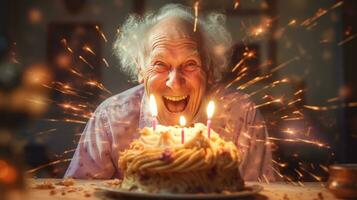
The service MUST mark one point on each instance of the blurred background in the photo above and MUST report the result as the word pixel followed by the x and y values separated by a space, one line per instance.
pixel 296 59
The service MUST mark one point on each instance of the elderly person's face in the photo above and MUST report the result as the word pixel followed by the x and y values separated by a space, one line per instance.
pixel 174 71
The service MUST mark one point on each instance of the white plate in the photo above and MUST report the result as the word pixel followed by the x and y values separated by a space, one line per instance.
pixel 117 192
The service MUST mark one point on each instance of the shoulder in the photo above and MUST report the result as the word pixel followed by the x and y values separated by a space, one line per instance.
pixel 129 100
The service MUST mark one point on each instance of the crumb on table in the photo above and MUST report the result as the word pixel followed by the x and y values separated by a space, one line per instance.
pixel 53 192
pixel 45 185
pixel 66 182
pixel 113 183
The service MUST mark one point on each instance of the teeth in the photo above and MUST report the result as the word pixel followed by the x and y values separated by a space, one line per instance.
pixel 177 98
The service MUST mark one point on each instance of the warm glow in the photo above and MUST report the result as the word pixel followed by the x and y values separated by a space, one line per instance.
pixel 210 109
pixel 153 106
pixel 236 4
pixel 258 31
pixel 182 121
pixel 8 173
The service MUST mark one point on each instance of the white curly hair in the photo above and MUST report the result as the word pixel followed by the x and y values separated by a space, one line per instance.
pixel 216 40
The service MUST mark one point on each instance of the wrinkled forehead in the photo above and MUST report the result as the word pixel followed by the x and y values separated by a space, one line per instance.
pixel 173 31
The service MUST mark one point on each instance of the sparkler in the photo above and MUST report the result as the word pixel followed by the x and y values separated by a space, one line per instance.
pixel 239 77
pixel 69 106
pixel 64 42
pixel 277 172
pixel 267 103
pixel 49 164
pixel 298 92
pixel 294 101
pixel 319 13
pixel 333 99
pixel 73 71
pixel 64 88
pixel 247 55
pixel 88 49
pixel 105 62
pixel 253 81
pixel 289 131
pixel 279 164
pixel 98 85
pixel 271 85
pixel 197 3
pixel 75 111
pixel 349 38
pixel 285 64
pixel 66 120
pixel 324 168
pixel 336 5
pixel 319 179
pixel 85 61
pixel 299 173
pixel 236 4
pixel 45 132
pixel 296 140
pixel 101 33
pixel 69 151
pixel 238 65
pixel 266 179
pixel 323 108
pixel 293 118
pixel 292 22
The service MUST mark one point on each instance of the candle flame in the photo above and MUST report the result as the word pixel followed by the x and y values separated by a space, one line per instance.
pixel 182 121
pixel 153 106
pixel 210 109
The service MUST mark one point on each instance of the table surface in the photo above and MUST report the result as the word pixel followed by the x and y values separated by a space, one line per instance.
pixel 87 189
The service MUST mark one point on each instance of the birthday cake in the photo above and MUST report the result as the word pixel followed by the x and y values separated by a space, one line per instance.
pixel 161 162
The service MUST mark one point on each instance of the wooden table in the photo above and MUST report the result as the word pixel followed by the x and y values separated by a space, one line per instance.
pixel 86 189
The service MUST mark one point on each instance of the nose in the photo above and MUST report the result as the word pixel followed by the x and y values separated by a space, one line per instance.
pixel 175 79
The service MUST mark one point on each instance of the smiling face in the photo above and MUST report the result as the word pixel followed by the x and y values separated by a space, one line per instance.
pixel 174 71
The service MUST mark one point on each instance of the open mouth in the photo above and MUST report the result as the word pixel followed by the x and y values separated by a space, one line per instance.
pixel 176 103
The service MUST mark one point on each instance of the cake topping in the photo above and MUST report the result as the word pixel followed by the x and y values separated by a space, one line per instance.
pixel 166 155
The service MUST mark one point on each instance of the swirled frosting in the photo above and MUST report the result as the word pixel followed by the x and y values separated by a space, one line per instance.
pixel 159 162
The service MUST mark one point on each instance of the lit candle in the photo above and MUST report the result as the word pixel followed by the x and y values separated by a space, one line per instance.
pixel 210 110
pixel 153 109
pixel 182 124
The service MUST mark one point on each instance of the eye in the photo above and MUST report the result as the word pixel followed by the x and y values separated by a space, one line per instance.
pixel 160 66
pixel 190 66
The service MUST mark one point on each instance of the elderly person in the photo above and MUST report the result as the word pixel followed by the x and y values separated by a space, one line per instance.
pixel 180 66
